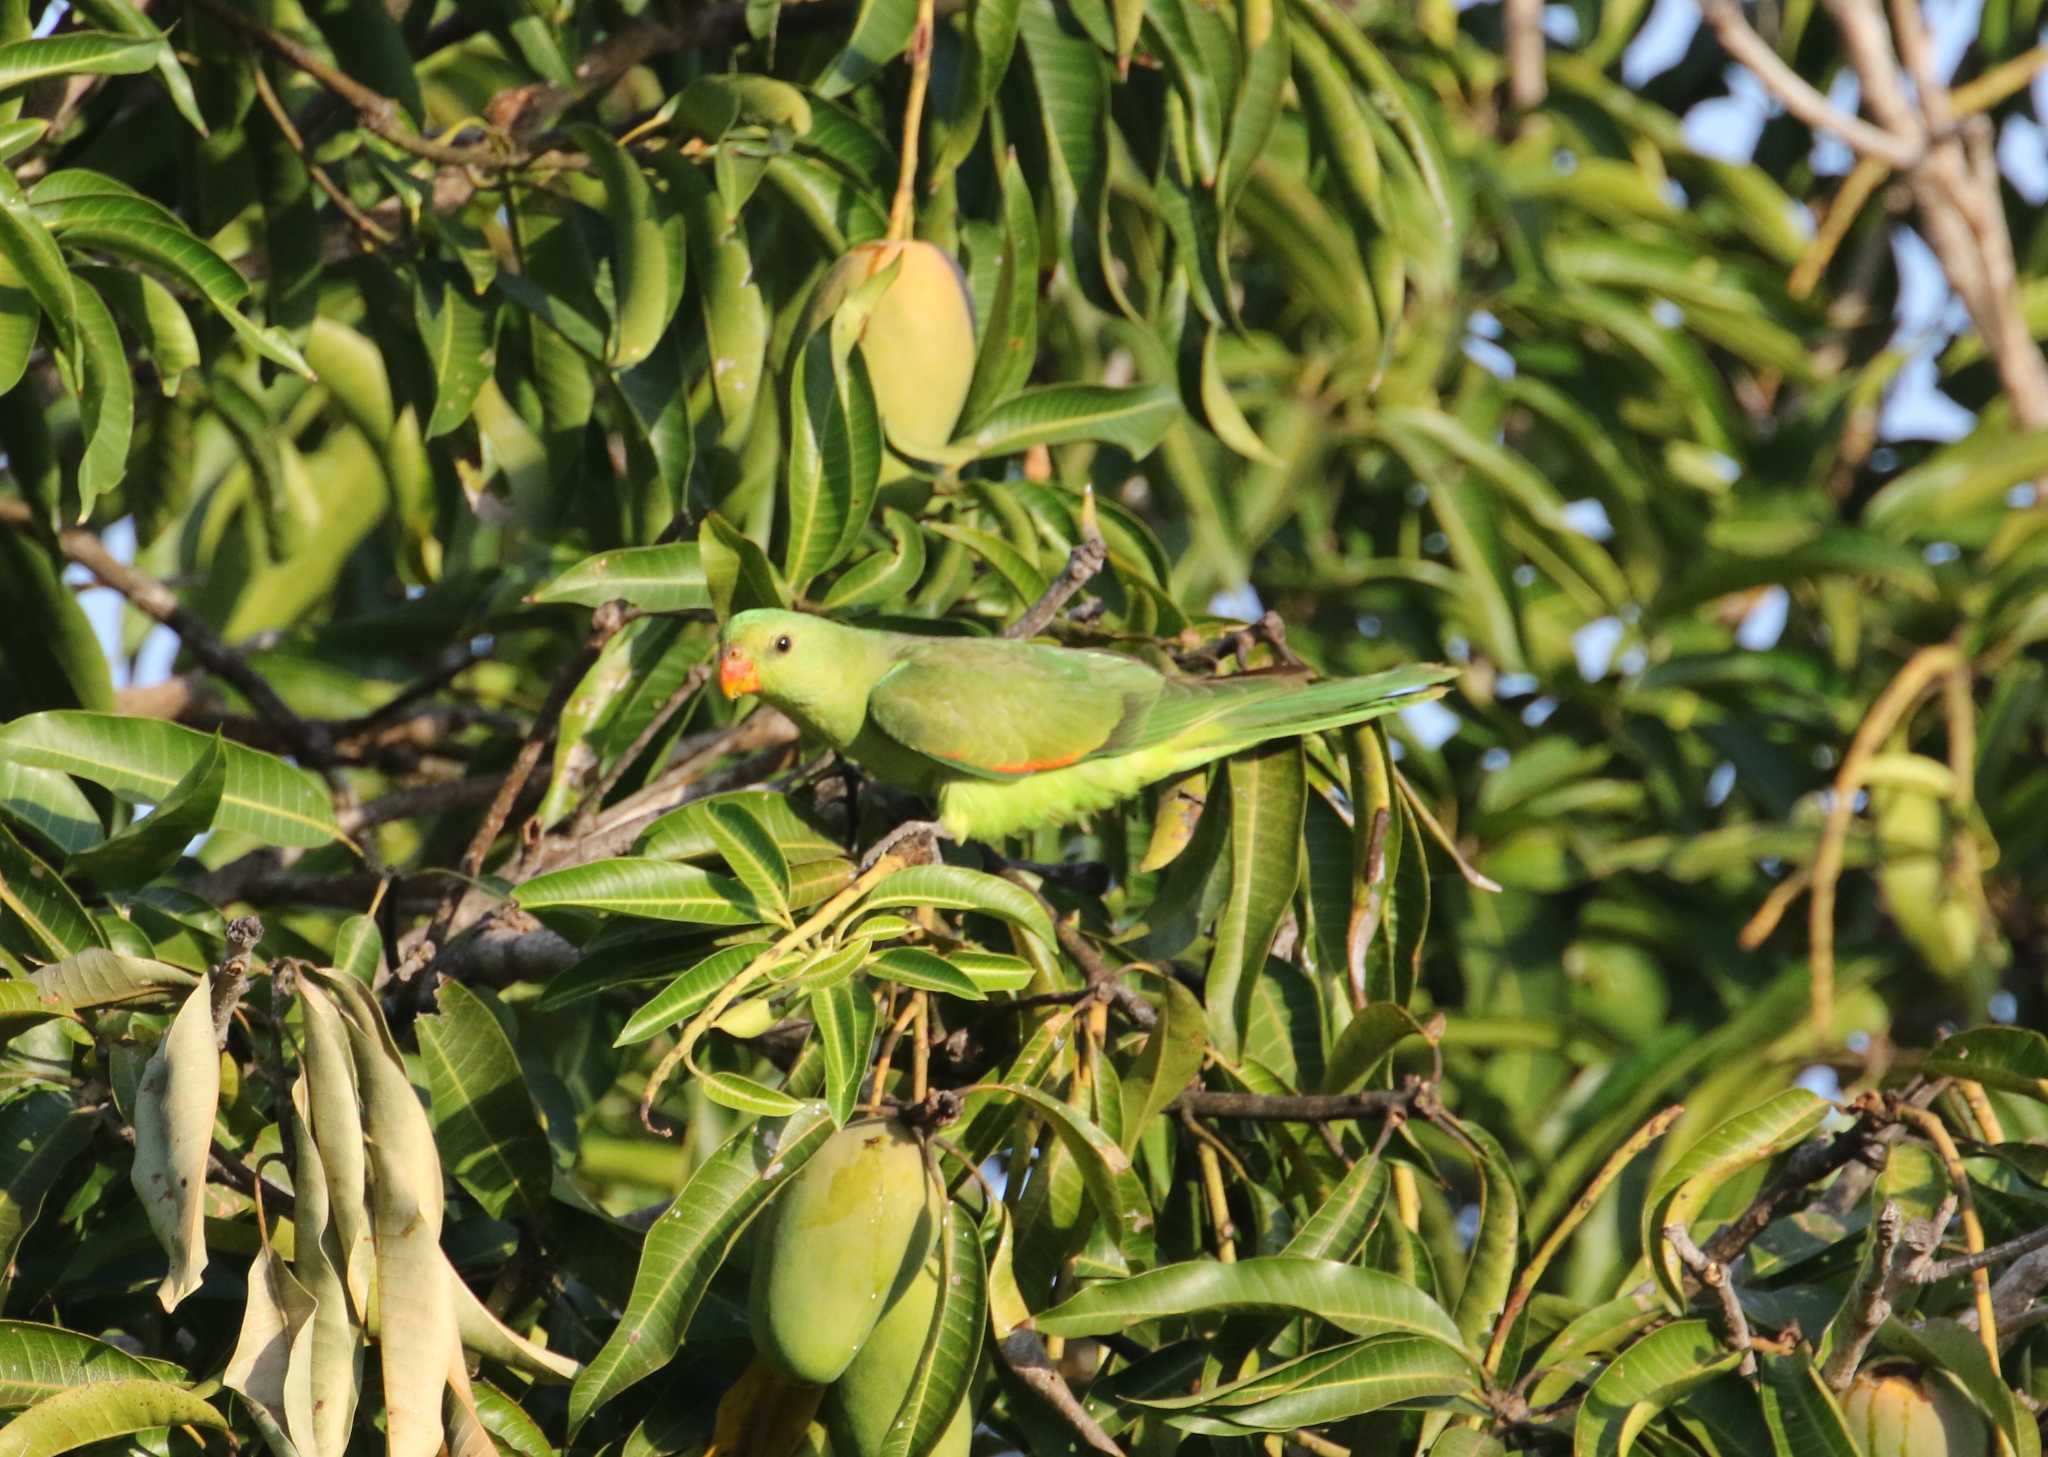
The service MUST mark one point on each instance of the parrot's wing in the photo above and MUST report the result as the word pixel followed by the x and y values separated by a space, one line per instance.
pixel 999 710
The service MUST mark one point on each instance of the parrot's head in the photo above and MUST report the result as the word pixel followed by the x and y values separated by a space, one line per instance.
pixel 811 668
pixel 763 651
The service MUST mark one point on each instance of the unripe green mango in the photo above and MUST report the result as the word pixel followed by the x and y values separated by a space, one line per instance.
pixel 842 1241
pixel 1899 1411
pixel 1913 879
pixel 863 1403
pixel 918 341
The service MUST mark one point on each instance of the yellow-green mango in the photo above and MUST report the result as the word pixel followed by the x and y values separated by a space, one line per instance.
pixel 1899 1411
pixel 842 1241
pixel 864 1401
pixel 917 342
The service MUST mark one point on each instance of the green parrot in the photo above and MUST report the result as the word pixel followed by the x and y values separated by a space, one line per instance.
pixel 1008 736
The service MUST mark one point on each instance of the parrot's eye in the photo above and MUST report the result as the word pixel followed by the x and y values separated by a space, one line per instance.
pixel 782 643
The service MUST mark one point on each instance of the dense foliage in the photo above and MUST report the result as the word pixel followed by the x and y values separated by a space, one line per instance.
pixel 1630 1051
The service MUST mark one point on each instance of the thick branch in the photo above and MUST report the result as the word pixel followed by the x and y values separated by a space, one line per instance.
pixel 1866 1307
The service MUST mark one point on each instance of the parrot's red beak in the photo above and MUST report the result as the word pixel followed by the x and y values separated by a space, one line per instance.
pixel 737 675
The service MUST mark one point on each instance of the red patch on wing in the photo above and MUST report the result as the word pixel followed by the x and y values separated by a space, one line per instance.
pixel 1032 766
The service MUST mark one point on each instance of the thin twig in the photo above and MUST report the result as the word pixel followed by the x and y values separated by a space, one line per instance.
pixel 1936 1132
pixel 604 622
pixel 1809 1164
pixel 1799 95
pixel 1466 868
pixel 1025 1354
pixel 593 802
pixel 2012 1249
pixel 1714 1275
pixel 364 223
pixel 156 601
pixel 1525 1287
pixel 1102 977
pixel 1295 1107
pixel 902 207
pixel 1083 562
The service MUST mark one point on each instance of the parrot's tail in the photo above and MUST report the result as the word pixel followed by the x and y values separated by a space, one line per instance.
pixel 1307 708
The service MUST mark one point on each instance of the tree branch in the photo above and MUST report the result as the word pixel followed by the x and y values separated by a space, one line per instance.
pixel 1809 1164
pixel 154 600
pixel 1297 1107
pixel 1799 96
pixel 231 978
pixel 1866 1307
pixel 1714 1275
pixel 1083 562
pixel 1024 1353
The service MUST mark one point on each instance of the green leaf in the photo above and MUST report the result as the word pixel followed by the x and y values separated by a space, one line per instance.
pixel 642 255
pixel 1131 418
pixel 43 920
pixel 50 804
pixel 685 833
pixel 100 978
pixel 151 312
pixel 1496 1249
pixel 151 845
pixel 78 53
pixel 749 849
pixel 41 1132
pixel 1348 1381
pixel 1268 797
pixel 459 340
pixel 844 1015
pixel 912 967
pixel 1799 1409
pixel 143 760
pixel 484 1121
pixel 175 1103
pixel 835 456
pixel 632 886
pixel 1681 1190
pixel 688 993
pixel 880 31
pixel 102 1410
pixel 1361 1301
pixel 1105 1168
pixel 1171 1059
pixel 952 1346
pixel 34 258
pixel 736 570
pixel 2012 1058
pixel 686 1246
pixel 886 575
pixel 1642 1381
pixel 1365 1043
pixel 667 578
pixel 954 887
pixel 122 16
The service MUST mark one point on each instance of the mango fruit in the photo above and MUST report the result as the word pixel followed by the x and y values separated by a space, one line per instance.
pixel 1913 831
pixel 1901 1411
pixel 863 1403
pixel 766 1414
pixel 917 342
pixel 841 1242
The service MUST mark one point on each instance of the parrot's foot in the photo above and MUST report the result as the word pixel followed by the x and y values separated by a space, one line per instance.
pixel 930 830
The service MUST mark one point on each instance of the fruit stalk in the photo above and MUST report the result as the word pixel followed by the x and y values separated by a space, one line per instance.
pixel 900 207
